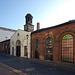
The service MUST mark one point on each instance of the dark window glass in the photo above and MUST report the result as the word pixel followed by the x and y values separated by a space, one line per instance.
pixel 36 48
pixel 49 48
pixel 5 48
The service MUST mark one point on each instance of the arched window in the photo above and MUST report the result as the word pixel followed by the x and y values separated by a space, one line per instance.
pixel 36 48
pixel 18 43
pixel 5 48
pixel 67 48
pixel 49 48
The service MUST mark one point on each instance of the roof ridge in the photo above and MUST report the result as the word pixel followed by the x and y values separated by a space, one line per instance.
pixel 7 29
pixel 66 23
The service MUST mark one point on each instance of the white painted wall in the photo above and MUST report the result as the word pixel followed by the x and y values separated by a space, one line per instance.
pixel 23 39
pixel 5 33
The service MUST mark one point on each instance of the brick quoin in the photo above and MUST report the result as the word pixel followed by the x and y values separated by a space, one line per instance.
pixel 56 33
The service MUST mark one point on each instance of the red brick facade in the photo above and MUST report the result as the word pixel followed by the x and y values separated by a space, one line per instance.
pixel 56 33
pixel 5 47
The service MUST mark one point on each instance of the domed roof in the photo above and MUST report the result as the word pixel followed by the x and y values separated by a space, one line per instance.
pixel 29 15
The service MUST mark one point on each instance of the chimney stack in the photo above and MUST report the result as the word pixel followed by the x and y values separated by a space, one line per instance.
pixel 38 26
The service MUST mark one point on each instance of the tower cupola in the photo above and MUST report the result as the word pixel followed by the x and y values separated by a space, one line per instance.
pixel 28 26
pixel 29 18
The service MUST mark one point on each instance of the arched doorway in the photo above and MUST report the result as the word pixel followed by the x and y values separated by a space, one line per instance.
pixel 49 48
pixel 67 48
pixel 18 48
pixel 36 48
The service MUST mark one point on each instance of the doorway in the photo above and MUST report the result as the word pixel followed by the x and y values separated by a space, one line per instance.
pixel 18 48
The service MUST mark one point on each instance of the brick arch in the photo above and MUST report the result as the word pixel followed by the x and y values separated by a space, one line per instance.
pixel 47 37
pixel 44 43
pixel 36 38
pixel 66 33
pixel 33 51
pixel 60 50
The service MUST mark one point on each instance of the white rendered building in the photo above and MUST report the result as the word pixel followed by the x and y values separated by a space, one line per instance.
pixel 20 44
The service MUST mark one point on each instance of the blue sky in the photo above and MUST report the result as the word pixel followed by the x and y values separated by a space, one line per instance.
pixel 47 12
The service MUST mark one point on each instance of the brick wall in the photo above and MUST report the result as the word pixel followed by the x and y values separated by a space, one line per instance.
pixel 56 33
pixel 4 43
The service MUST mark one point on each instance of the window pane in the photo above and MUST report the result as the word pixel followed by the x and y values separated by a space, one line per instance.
pixel 36 48
pixel 49 48
pixel 67 48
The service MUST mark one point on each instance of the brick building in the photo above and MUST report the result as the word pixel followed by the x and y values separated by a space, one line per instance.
pixel 5 34
pixel 5 47
pixel 55 43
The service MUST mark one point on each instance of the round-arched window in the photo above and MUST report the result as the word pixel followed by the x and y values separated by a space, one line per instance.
pixel 67 48
pixel 18 43
pixel 49 48
pixel 36 48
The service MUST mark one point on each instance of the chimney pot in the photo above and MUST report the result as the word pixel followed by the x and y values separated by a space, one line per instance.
pixel 38 26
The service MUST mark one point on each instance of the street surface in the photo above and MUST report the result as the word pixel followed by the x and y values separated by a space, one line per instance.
pixel 4 71
pixel 22 66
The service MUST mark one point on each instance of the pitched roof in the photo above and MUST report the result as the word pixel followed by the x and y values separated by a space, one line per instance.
pixel 63 24
pixel 5 40
pixel 7 29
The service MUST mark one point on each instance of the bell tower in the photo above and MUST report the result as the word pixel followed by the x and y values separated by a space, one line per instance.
pixel 28 26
